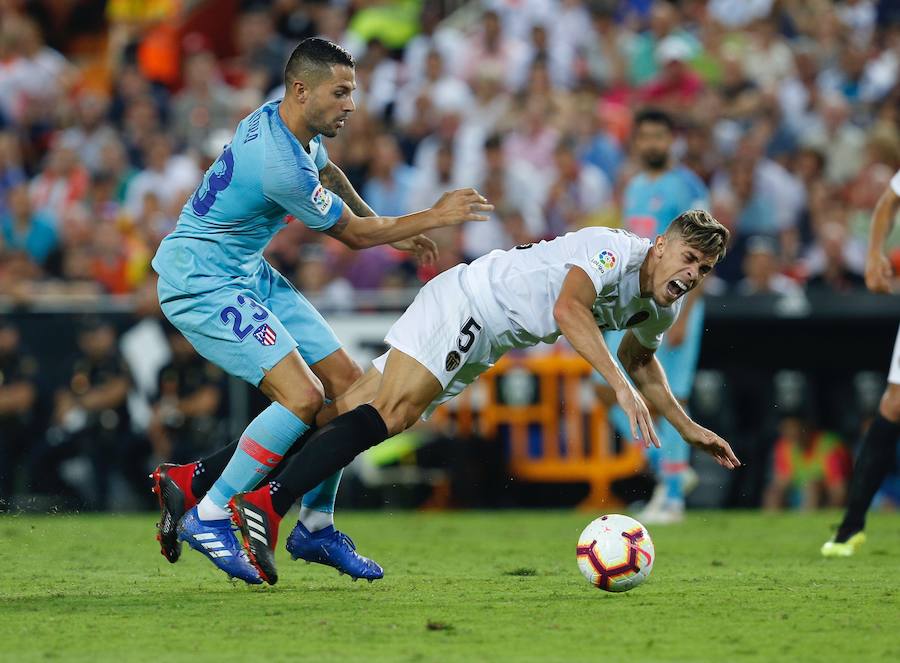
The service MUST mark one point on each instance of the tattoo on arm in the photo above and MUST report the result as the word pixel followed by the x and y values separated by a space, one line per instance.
pixel 333 179
pixel 338 228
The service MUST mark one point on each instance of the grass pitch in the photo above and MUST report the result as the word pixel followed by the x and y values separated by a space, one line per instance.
pixel 500 586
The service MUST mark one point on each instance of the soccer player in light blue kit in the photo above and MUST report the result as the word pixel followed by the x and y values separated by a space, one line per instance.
pixel 241 314
pixel 660 192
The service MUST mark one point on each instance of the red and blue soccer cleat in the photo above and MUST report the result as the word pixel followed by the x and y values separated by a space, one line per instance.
pixel 258 523
pixel 216 540
pixel 172 487
pixel 333 548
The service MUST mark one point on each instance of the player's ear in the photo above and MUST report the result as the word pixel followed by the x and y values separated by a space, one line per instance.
pixel 659 245
pixel 300 91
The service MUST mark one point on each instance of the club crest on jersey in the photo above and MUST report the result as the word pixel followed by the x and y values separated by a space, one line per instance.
pixel 451 363
pixel 604 261
pixel 265 335
pixel 321 199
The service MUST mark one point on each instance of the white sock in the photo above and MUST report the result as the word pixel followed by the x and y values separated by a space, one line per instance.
pixel 207 510
pixel 315 520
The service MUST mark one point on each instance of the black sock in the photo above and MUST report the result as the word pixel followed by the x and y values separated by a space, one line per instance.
pixel 875 460
pixel 209 468
pixel 331 448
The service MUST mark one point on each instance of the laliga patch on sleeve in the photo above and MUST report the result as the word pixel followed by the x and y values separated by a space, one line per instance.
pixel 604 261
pixel 321 199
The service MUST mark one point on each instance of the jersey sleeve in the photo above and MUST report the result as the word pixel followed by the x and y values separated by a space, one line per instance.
pixel 603 256
pixel 650 333
pixel 321 155
pixel 299 192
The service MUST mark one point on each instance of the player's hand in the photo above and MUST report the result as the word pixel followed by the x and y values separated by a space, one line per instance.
pixel 638 415
pixel 879 273
pixel 462 205
pixel 705 440
pixel 423 248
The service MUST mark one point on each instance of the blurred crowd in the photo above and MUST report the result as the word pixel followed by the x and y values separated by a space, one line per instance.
pixel 788 110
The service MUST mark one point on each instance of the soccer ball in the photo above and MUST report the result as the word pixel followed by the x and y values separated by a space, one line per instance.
pixel 615 553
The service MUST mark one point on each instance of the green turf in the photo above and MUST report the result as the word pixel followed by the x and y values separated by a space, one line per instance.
pixel 459 587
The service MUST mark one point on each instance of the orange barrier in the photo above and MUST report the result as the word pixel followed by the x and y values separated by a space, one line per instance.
pixel 575 440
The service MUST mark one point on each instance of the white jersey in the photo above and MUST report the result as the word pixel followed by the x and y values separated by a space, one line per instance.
pixel 515 290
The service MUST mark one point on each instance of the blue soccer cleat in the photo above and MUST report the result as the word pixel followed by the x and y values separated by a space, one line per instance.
pixel 333 548
pixel 216 540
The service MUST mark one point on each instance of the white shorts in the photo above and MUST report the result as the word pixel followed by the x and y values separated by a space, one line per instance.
pixel 442 331
pixel 894 372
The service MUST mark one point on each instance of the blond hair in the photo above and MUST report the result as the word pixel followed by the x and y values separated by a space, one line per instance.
pixel 700 230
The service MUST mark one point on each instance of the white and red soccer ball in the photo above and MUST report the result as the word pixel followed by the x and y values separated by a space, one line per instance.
pixel 615 553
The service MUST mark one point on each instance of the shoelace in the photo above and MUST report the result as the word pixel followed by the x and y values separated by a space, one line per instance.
pixel 346 539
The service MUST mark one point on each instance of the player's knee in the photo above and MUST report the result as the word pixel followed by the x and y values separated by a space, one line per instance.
pixel 890 403
pixel 351 373
pixel 306 401
pixel 397 416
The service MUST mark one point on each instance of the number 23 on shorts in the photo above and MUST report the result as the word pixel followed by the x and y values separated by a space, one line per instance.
pixel 235 317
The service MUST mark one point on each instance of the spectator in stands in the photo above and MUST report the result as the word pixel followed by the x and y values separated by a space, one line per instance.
pixel 578 192
pixel 761 273
pixel 185 422
pixel 810 468
pixel 89 421
pixel 32 232
pixel 203 106
pixel 18 407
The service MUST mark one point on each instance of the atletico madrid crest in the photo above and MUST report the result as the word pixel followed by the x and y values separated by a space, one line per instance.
pixel 265 335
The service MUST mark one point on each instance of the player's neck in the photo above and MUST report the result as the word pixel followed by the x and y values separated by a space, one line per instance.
pixel 293 120
pixel 645 275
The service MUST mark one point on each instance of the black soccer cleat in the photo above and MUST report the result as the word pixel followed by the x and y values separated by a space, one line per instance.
pixel 172 487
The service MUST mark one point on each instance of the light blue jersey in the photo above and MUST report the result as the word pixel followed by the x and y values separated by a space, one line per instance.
pixel 651 203
pixel 214 285
pixel 262 176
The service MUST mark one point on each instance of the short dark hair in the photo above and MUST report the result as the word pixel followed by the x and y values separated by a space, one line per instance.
pixel 655 116
pixel 700 230
pixel 314 57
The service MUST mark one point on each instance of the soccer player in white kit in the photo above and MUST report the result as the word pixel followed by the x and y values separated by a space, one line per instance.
pixel 878 452
pixel 462 321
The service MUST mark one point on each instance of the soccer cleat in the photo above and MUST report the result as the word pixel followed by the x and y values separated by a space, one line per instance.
pixel 258 522
pixel 216 540
pixel 172 487
pixel 834 548
pixel 333 548
pixel 666 513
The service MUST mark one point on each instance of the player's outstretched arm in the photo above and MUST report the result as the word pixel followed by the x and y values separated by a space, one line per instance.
pixel 646 371
pixel 575 318
pixel 878 267
pixel 452 209
pixel 334 179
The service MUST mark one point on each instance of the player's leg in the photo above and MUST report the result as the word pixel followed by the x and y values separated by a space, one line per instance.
pixel 232 329
pixel 680 366
pixel 416 371
pixel 874 461
pixel 409 390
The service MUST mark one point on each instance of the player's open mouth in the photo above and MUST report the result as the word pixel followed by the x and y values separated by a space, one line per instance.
pixel 341 121
pixel 676 288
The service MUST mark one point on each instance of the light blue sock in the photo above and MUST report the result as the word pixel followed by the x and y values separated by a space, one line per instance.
pixel 263 444
pixel 321 498
pixel 674 457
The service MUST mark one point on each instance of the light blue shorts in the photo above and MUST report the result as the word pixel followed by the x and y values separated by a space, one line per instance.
pixel 680 364
pixel 246 330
